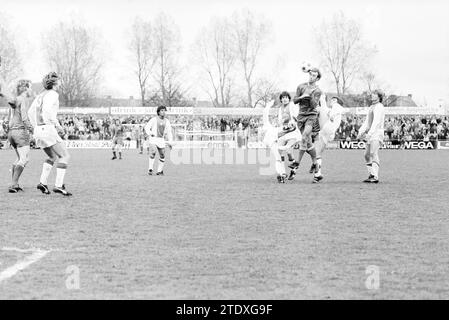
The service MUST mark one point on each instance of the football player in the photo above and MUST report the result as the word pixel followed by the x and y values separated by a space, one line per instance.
pixel 48 132
pixel 331 117
pixel 118 131
pixel 308 97
pixel 372 131
pixel 160 135
pixel 19 130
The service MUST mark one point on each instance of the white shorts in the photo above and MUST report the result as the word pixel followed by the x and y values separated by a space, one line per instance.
pixel 377 136
pixel 294 135
pixel 46 136
pixel 158 142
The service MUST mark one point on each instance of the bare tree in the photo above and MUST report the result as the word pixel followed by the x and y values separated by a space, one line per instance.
pixel 216 54
pixel 142 48
pixel 11 64
pixel 166 38
pixel 251 34
pixel 342 50
pixel 265 90
pixel 72 50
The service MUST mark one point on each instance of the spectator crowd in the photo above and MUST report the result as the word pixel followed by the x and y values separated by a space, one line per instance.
pixel 91 127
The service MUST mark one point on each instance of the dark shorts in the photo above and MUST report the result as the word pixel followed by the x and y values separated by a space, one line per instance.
pixel 19 138
pixel 315 130
pixel 311 120
pixel 118 140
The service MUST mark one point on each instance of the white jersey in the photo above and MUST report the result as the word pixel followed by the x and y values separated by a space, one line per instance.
pixel 158 129
pixel 374 122
pixel 44 109
pixel 335 114
pixel 289 112
pixel 332 120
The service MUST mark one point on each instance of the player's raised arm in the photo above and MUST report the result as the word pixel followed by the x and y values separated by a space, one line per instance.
pixel 266 113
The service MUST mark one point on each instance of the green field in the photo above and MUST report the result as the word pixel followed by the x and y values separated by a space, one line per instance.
pixel 227 232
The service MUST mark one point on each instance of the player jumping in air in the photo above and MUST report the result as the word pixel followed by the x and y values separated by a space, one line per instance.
pixel 158 128
pixel 331 117
pixel 48 132
pixel 19 129
pixel 372 131
pixel 308 96
pixel 118 131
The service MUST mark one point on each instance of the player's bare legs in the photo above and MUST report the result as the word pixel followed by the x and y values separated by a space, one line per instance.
pixel 152 153
pixel 369 162
pixel 320 146
pixel 114 154
pixel 61 167
pixel 375 161
pixel 305 145
pixel 160 168
pixel 46 169
pixel 119 149
pixel 18 166
pixel 279 165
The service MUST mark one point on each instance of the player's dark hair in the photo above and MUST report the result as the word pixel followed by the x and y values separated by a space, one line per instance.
pixel 285 94
pixel 160 108
pixel 318 71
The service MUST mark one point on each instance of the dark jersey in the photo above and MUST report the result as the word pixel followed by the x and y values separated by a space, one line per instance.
pixel 308 97
pixel 118 131
pixel 18 117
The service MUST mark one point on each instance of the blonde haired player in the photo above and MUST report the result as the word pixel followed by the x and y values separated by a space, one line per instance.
pixel 330 120
pixel 372 131
pixel 19 130
pixel 157 129
pixel 48 132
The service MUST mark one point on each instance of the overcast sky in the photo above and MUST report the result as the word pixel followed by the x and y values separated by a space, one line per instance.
pixel 412 37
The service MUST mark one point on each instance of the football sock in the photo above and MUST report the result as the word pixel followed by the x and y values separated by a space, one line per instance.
pixel 375 170
pixel 161 165
pixel 17 172
pixel 280 168
pixel 369 167
pixel 318 162
pixel 60 173
pixel 114 154
pixel 150 163
pixel 46 169
pixel 12 171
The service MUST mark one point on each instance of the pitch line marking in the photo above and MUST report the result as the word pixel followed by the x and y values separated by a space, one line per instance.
pixel 36 255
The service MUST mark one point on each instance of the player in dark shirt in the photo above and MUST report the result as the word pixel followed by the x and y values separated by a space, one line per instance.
pixel 308 98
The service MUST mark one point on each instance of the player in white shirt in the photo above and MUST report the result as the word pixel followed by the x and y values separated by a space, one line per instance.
pixel 372 131
pixel 287 118
pixel 158 128
pixel 283 136
pixel 330 120
pixel 48 132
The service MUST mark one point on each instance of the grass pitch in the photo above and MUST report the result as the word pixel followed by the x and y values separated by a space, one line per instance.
pixel 227 232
